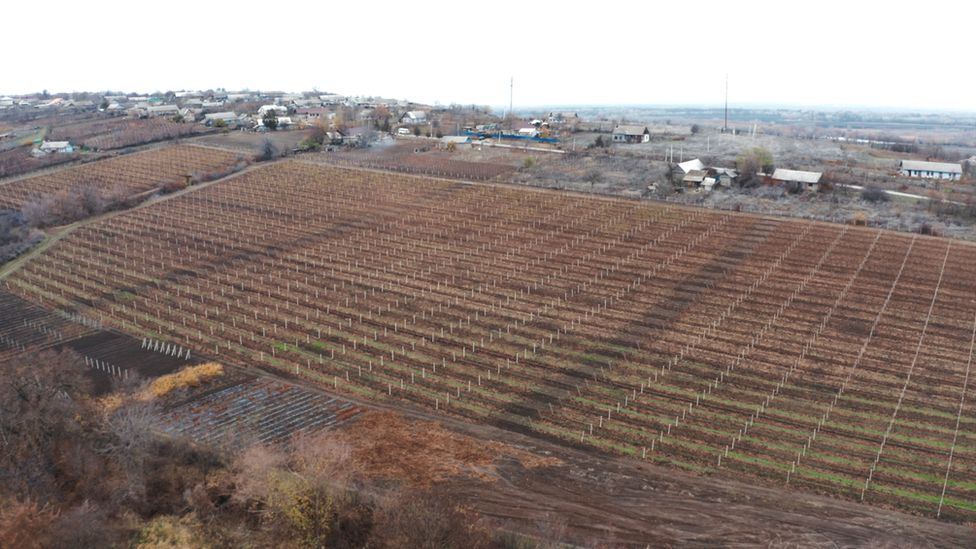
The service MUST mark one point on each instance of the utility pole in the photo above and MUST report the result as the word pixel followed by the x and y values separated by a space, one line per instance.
pixel 725 128
pixel 511 93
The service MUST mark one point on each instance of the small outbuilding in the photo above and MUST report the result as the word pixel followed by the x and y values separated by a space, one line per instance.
pixel 797 179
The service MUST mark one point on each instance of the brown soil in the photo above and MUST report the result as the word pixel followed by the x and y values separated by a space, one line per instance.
pixel 385 445
pixel 528 485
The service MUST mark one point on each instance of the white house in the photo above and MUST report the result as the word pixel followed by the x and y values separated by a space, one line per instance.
pixel 278 109
pixel 48 147
pixel 283 122
pixel 631 134
pixel 798 178
pixel 931 170
pixel 414 117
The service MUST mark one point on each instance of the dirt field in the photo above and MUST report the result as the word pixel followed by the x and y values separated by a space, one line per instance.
pixel 599 499
pixel 250 142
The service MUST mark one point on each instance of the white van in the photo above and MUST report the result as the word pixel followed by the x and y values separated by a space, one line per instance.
pixel 403 131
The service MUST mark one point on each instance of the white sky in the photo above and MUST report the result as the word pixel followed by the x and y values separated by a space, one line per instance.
pixel 891 54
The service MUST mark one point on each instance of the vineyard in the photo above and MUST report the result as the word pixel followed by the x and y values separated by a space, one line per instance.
pixel 129 174
pixel 119 132
pixel 823 357
pixel 18 161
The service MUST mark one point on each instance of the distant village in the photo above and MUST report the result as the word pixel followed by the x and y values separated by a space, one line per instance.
pixel 349 121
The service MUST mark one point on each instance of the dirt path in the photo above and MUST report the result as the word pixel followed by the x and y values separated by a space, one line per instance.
pixel 603 498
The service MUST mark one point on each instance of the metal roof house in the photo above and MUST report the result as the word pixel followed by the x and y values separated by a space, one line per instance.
pixel 797 178
pixel 162 110
pixel 631 134
pixel 932 170
pixel 226 117
pixel 690 165
pixel 279 109
pixel 414 117
pixel 48 147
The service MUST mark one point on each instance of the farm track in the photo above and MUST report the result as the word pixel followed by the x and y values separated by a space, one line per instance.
pixel 799 352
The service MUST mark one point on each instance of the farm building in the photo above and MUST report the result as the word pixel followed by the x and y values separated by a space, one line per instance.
pixel 452 141
pixel 226 117
pixel 48 147
pixel 162 110
pixel 797 179
pixel 631 134
pixel 931 170
pixel 414 117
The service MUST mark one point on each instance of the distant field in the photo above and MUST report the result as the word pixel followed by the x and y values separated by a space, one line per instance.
pixel 828 357
pixel 250 142
pixel 132 173
pixel 419 157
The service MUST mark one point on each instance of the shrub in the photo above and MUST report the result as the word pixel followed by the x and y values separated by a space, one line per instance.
pixel 874 194
pixel 267 151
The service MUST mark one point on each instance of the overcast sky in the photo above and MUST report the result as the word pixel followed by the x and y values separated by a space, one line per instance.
pixel 896 54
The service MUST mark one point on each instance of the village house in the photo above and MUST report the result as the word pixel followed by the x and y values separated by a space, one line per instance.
pixel 631 134
pixel 307 103
pixel 688 166
pixel 332 99
pixel 414 117
pixel 312 114
pixel 225 117
pixel 797 179
pixel 724 177
pixel 931 170
pixel 162 110
pixel 562 118
pixel 49 147
pixel 283 122
pixel 278 109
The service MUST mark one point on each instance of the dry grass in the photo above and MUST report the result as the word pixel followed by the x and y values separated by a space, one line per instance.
pixel 421 453
pixel 191 376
